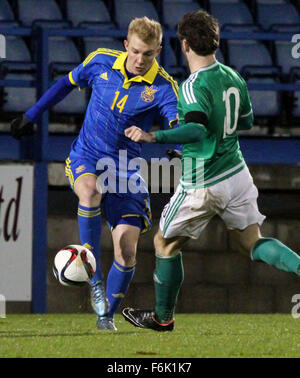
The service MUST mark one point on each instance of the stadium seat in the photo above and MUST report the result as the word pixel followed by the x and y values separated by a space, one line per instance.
pixel 284 57
pixel 52 24
pixel 32 10
pixel 173 11
pixel 79 11
pixel 126 10
pixel 74 104
pixel 248 55
pixel 63 50
pixel 244 54
pixel 18 55
pixel 283 49
pixel 18 100
pixel 265 103
pixel 220 56
pixel 169 61
pixel 296 110
pixel 17 50
pixel 92 43
pixel 270 13
pixel 231 13
pixel 295 79
pixel 6 12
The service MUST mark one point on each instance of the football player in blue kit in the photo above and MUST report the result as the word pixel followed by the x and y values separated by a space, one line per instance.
pixel 128 88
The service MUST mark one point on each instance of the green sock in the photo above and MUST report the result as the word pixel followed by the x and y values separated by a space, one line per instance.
pixel 275 253
pixel 168 277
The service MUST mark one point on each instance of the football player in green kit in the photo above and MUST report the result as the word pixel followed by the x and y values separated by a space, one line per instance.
pixel 214 105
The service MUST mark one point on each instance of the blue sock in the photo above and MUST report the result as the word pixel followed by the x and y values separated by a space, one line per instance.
pixel 90 224
pixel 118 281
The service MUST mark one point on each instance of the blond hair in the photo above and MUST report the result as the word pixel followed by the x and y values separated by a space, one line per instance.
pixel 147 30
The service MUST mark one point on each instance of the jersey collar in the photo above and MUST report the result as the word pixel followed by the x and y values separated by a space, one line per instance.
pixel 148 77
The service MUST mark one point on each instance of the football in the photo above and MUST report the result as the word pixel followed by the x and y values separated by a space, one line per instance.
pixel 74 265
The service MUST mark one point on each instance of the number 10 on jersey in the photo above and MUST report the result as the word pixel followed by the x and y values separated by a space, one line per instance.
pixel 231 115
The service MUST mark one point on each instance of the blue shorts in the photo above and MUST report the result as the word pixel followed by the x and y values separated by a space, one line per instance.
pixel 119 208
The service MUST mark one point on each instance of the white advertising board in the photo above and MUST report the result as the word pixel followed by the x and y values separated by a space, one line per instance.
pixel 16 234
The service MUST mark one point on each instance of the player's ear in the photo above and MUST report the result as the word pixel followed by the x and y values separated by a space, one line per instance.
pixel 126 44
pixel 158 51
pixel 185 46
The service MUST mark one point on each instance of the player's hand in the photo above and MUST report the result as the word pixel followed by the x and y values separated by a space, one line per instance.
pixel 21 126
pixel 138 135
pixel 174 154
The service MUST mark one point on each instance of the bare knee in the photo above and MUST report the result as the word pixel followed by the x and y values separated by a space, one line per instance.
pixel 125 239
pixel 87 192
pixel 168 247
pixel 159 242
pixel 126 256
pixel 244 240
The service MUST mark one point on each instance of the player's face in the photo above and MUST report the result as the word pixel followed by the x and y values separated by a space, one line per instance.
pixel 140 55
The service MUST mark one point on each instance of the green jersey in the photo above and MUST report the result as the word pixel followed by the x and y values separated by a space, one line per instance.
pixel 219 95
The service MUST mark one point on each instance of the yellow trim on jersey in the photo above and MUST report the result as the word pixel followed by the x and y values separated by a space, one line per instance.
pixel 69 173
pixel 101 51
pixel 149 76
pixel 72 81
pixel 84 174
pixel 169 78
pixel 172 123
pixel 131 215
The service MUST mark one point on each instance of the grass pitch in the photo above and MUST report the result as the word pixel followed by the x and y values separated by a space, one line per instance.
pixel 195 336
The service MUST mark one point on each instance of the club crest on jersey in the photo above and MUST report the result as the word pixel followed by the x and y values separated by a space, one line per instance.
pixel 148 94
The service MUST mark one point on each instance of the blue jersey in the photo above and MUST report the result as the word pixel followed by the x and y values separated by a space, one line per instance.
pixel 118 102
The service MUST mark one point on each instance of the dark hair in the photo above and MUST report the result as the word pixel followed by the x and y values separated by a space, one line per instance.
pixel 201 32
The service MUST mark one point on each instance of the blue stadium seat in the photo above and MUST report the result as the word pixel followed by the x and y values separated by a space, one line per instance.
pixel 92 43
pixel 173 11
pixel 18 55
pixel 63 50
pixel 17 50
pixel 168 59
pixel 248 55
pixel 283 49
pixel 52 24
pixel 74 104
pixel 231 13
pixel 270 13
pixel 6 12
pixel 126 10
pixel 284 58
pixel 220 56
pixel 18 100
pixel 265 103
pixel 79 11
pixel 243 54
pixel 9 24
pixel 296 97
pixel 32 10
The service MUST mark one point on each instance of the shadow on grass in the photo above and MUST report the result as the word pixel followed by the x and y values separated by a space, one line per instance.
pixel 21 334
